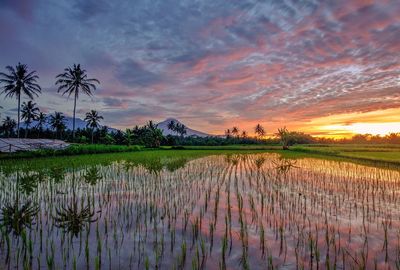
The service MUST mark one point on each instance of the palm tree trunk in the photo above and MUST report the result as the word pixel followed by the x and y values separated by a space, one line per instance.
pixel 73 121
pixel 19 109
pixel 92 134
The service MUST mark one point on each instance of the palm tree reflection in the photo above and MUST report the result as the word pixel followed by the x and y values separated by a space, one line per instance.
pixel 17 215
pixel 75 216
pixel 283 166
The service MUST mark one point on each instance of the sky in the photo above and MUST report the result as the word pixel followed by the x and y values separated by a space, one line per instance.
pixel 328 68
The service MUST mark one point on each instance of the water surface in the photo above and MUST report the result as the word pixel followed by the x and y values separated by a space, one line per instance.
pixel 184 211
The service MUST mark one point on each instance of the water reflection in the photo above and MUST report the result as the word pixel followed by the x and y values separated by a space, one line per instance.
pixel 92 175
pixel 18 213
pixel 76 214
pixel 228 211
pixel 283 165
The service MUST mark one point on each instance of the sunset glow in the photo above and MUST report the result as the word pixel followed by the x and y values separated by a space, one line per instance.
pixel 325 68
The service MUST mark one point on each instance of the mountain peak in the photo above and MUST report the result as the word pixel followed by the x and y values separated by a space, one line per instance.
pixel 171 119
pixel 189 132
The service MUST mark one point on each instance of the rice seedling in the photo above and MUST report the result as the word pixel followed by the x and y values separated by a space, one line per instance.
pixel 180 210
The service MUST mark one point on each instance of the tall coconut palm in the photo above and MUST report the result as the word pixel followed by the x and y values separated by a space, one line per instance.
pixel 19 81
pixel 235 131
pixel 259 130
pixel 8 126
pixel 93 121
pixel 30 112
pixel 41 121
pixel 73 81
pixel 57 122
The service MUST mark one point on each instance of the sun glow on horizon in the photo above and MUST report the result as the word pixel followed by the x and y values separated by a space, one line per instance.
pixel 380 122
pixel 381 129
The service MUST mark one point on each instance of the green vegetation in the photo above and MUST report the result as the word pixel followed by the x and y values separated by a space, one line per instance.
pixel 76 149
pixel 74 81
pixel 369 153
pixel 372 152
pixel 19 81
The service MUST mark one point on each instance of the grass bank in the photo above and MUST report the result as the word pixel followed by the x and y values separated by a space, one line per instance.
pixel 371 153
pixel 376 153
pixel 75 149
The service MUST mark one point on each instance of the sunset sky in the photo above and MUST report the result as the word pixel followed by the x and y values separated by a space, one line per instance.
pixel 328 68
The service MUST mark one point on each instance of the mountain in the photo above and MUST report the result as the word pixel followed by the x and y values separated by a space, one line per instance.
pixel 189 132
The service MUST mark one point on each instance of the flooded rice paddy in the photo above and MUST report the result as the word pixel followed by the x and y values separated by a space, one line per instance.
pixel 226 211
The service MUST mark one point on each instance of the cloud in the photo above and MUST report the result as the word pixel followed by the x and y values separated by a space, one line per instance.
pixel 133 74
pixel 214 62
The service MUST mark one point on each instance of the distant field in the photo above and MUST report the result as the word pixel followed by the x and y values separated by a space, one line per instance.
pixel 369 153
pixel 381 153
pixel 385 153
pixel 235 147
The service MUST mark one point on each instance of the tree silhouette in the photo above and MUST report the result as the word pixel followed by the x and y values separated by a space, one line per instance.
pixel 93 120
pixel 19 81
pixel 152 135
pixel 259 130
pixel 57 122
pixel 235 131
pixel 30 112
pixel 41 121
pixel 285 137
pixel 172 126
pixel 73 81
pixel 228 133
pixel 128 137
pixel 181 129
pixel 8 126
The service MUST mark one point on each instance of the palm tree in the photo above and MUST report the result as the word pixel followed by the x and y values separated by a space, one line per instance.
pixel 19 81
pixel 57 122
pixel 285 136
pixel 172 126
pixel 30 112
pixel 152 135
pixel 128 137
pixel 181 129
pixel 235 131
pixel 259 130
pixel 41 121
pixel 72 81
pixel 244 134
pixel 228 133
pixel 93 119
pixel 8 126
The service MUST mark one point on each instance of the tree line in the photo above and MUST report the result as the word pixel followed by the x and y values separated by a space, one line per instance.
pixel 18 81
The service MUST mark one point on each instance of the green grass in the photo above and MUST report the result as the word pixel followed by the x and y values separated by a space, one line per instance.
pixel 75 149
pixel 389 156
pixel 376 153
pixel 384 153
